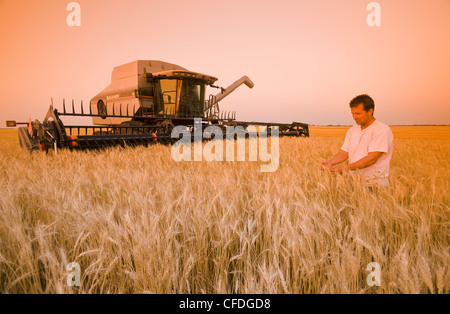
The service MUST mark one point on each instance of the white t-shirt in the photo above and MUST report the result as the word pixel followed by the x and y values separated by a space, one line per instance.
pixel 359 143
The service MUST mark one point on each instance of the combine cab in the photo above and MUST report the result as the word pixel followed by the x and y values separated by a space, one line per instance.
pixel 141 106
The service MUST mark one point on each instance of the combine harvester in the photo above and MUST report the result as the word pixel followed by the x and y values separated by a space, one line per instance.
pixel 141 106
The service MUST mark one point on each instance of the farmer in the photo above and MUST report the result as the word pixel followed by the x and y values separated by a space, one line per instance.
pixel 367 145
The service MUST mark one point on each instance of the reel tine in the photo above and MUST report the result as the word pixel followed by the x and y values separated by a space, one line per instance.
pixel 90 109
pixel 73 107
pixel 64 105
pixel 114 111
pixel 82 111
pixel 127 111
pixel 134 110
pixel 121 109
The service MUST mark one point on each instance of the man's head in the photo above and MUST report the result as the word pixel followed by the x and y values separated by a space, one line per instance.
pixel 362 108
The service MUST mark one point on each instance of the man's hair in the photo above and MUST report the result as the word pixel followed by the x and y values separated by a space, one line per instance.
pixel 366 100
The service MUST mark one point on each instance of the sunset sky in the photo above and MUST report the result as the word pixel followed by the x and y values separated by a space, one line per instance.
pixel 307 58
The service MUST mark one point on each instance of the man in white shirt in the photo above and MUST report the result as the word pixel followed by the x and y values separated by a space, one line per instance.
pixel 367 146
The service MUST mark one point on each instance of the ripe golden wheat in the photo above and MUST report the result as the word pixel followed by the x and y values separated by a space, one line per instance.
pixel 138 222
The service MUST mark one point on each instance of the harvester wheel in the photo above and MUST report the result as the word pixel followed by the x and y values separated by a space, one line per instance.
pixel 167 126
pixel 214 119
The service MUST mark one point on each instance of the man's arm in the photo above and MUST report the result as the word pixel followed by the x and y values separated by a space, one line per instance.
pixel 337 159
pixel 364 162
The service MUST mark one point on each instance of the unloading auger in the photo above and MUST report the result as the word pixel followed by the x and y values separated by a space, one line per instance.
pixel 145 100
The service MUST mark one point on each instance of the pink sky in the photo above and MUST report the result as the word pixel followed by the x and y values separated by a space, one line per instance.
pixel 306 58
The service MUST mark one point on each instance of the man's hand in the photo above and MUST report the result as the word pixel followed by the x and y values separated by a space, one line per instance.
pixel 326 165
pixel 341 156
pixel 339 169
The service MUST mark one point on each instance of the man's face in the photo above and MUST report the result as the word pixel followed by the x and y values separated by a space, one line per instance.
pixel 361 116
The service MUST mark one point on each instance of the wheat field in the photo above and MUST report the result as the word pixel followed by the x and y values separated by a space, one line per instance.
pixel 136 221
